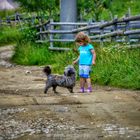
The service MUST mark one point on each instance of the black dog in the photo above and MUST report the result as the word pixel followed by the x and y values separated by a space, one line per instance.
pixel 67 80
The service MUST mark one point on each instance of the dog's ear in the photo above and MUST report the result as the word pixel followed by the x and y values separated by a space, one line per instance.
pixel 47 70
pixel 65 73
pixel 70 72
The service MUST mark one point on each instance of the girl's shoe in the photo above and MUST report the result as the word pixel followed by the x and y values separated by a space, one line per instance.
pixel 82 90
pixel 89 89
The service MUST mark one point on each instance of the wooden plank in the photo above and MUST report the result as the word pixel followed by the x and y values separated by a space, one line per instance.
pixel 61 40
pixel 98 40
pixel 37 26
pixel 42 41
pixel 51 35
pixel 85 28
pixel 59 49
pixel 69 23
pixel 132 32
pixel 56 32
pixel 73 23
pixel 134 46
pixel 115 33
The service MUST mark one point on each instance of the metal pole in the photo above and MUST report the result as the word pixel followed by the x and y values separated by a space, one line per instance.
pixel 68 13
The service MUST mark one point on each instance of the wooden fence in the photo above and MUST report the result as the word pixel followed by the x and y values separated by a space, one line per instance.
pixel 126 29
pixel 21 19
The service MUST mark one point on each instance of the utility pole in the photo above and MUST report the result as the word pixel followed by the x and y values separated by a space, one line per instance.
pixel 68 13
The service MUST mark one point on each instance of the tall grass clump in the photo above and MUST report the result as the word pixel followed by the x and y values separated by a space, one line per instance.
pixel 5 13
pixel 29 53
pixel 118 66
pixel 9 35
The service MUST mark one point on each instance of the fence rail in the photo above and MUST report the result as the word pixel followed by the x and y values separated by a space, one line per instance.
pixel 126 29
pixel 18 19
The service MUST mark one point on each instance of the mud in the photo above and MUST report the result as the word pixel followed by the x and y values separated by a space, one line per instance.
pixel 26 113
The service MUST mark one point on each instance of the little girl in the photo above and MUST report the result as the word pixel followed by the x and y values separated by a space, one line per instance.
pixel 86 59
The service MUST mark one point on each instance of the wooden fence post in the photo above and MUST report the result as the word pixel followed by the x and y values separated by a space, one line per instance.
pixel 0 22
pixel 8 20
pixel 127 27
pixel 44 28
pixel 101 33
pixel 88 31
pixel 32 19
pixel 17 17
pixel 40 35
pixel 115 27
pixel 51 35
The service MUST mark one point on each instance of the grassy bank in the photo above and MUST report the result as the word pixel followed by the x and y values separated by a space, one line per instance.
pixel 9 35
pixel 116 65
pixel 38 54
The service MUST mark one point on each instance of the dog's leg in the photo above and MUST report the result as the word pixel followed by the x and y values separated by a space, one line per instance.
pixel 70 89
pixel 45 91
pixel 47 87
pixel 54 89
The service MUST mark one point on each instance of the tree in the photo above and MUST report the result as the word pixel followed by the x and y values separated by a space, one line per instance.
pixel 40 6
pixel 90 8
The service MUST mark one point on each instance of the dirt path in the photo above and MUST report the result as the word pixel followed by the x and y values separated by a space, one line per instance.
pixel 28 114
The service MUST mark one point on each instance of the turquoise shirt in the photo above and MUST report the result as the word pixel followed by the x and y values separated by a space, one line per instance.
pixel 85 54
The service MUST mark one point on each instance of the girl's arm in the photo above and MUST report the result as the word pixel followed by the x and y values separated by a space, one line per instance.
pixel 94 56
pixel 74 62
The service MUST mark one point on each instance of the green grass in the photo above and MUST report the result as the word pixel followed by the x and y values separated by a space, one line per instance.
pixel 9 35
pixel 120 8
pixel 116 65
pixel 5 13
pixel 38 54
pixel 30 54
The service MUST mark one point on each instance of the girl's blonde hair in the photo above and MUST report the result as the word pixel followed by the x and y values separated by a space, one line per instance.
pixel 82 37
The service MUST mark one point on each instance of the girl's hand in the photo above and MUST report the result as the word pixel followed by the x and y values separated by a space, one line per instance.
pixel 74 62
pixel 93 63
